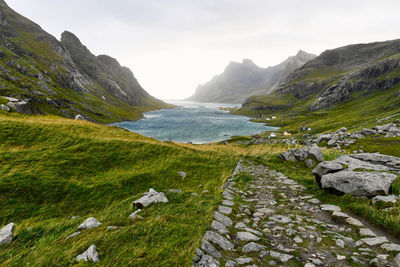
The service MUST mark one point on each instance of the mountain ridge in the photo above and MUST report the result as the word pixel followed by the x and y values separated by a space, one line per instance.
pixel 241 80
pixel 63 77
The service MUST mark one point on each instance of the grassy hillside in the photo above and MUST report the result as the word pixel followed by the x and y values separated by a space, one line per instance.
pixel 53 168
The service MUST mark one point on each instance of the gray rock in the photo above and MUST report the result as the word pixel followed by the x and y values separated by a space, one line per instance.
pixel 325 168
pixel 177 191
pixel 280 219
pixel 385 127
pixel 210 249
pixel 90 254
pixel 280 256
pixel 6 234
pixel 385 199
pixel 316 153
pixel 5 108
pixel 225 209
pixel 149 198
pixel 358 183
pixel 374 241
pixel 354 221
pixel 219 240
pixel 391 247
pixel 24 107
pixel 366 131
pixel 397 260
pixel 240 225
pixel 314 201
pixel 206 261
pixel 367 232
pixel 243 260
pixel 135 215
pixel 246 236
pixel 80 117
pixel 73 235
pixel 223 219
pixel 182 174
pixel 230 263
pixel 89 223
pixel 228 202
pixel 220 227
pixel 329 207
pixel 309 163
pixel 288 156
pixel 111 227
pixel 252 247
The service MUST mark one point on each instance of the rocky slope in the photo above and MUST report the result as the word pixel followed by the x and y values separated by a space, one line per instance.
pixel 64 78
pixel 336 76
pixel 241 80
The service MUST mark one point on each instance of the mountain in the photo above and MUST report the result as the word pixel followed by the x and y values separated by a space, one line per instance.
pixel 241 80
pixel 46 76
pixel 351 73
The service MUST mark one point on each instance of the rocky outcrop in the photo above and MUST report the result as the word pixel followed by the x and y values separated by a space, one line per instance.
pixel 364 174
pixel 64 78
pixel 149 198
pixel 242 80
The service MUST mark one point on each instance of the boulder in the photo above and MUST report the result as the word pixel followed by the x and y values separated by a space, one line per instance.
pixel 80 117
pixel 385 127
pixel 316 153
pixel 90 254
pixel 368 184
pixel 149 198
pixel 5 108
pixel 24 107
pixel 89 223
pixel 373 177
pixel 6 234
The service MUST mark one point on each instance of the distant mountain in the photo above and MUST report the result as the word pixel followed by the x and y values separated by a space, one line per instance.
pixel 47 76
pixel 241 80
pixel 341 75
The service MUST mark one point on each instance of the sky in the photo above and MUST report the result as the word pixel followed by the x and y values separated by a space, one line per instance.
pixel 172 46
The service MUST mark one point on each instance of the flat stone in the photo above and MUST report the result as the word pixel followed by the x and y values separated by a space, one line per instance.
pixel 266 211
pixel 298 240
pixel 149 198
pixel 329 207
pixel 225 209
pixel 210 249
pixel 367 232
pixel 314 201
pixel 246 236
pixel 385 199
pixel 340 243
pixel 247 229
pixel 280 219
pixel 340 257
pixel 6 234
pixel 220 227
pixel 73 235
pixel 89 223
pixel 240 225
pixel 354 221
pixel 219 240
pixel 227 202
pixel 90 254
pixel 230 263
pixel 397 260
pixel 374 241
pixel 243 260
pixel 207 260
pixel 280 256
pixel 223 219
pixel 340 215
pixel 252 247
pixel 135 215
pixel 391 247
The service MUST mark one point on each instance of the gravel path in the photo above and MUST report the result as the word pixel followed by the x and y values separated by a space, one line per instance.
pixel 270 221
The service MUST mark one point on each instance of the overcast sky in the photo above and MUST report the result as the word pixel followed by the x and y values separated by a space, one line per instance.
pixel 173 45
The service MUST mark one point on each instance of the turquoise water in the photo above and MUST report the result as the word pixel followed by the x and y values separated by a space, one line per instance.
pixel 194 122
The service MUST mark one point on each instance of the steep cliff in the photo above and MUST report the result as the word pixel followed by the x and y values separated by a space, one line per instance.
pixel 64 78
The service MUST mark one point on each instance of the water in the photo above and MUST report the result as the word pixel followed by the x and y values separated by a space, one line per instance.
pixel 194 122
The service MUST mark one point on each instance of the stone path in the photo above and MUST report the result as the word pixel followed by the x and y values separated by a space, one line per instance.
pixel 270 221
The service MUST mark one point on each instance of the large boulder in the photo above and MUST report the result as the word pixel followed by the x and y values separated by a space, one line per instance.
pixel 364 174
pixel 307 152
pixel 358 184
pixel 6 234
pixel 149 198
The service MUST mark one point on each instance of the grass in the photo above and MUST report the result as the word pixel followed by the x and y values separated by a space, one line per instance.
pixel 53 168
